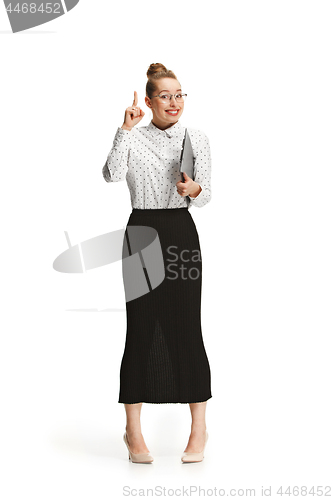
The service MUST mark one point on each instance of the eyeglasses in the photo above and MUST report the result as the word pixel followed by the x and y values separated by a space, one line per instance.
pixel 167 97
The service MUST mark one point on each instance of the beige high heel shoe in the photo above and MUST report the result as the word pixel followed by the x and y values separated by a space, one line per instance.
pixel 138 458
pixel 188 457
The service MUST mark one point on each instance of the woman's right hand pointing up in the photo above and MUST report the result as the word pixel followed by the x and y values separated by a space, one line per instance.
pixel 133 114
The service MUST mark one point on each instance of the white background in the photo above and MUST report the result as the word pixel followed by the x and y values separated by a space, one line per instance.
pixel 259 80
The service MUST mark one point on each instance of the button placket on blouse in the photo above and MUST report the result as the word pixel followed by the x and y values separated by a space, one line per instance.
pixel 165 148
pixel 169 147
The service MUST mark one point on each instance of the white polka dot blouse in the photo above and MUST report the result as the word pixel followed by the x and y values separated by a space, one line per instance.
pixel 149 159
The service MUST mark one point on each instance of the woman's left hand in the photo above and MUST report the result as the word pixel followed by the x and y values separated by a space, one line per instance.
pixel 189 187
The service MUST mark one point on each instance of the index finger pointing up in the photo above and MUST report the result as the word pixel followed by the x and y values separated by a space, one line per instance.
pixel 135 101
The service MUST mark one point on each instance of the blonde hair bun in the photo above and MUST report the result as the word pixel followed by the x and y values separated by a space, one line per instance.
pixel 154 73
pixel 156 68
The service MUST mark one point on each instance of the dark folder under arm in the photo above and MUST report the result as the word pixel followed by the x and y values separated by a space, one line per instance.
pixel 187 157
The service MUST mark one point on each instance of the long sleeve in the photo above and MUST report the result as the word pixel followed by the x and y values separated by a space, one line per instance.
pixel 202 173
pixel 116 165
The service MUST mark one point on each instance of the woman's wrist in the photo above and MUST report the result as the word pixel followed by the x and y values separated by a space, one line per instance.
pixel 125 128
pixel 196 191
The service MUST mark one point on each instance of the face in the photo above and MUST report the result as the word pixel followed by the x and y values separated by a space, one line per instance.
pixel 162 116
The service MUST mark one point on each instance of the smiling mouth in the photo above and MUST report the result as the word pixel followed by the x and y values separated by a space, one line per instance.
pixel 172 112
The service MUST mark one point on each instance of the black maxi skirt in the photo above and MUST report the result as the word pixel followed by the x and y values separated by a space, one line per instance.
pixel 164 359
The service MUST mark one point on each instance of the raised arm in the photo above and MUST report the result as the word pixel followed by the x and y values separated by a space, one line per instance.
pixel 116 165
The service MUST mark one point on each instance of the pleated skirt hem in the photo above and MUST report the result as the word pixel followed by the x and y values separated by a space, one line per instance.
pixel 165 402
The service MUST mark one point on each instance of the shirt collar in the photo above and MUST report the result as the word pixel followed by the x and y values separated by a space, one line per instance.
pixel 173 131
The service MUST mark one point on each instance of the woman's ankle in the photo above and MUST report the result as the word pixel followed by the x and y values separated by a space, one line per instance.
pixel 133 430
pixel 198 429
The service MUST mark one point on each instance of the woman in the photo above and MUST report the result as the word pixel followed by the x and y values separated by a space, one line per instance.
pixel 164 359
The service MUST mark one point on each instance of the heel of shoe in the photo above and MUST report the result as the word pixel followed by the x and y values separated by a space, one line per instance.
pixel 188 457
pixel 138 458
